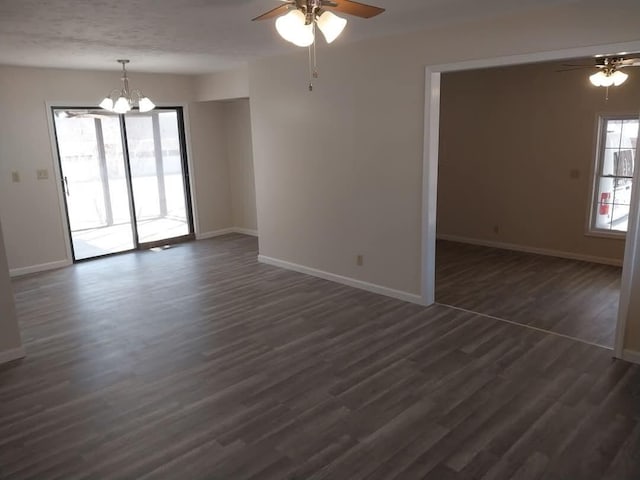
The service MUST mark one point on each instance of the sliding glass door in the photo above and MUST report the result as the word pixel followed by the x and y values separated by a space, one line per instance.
pixel 124 179
pixel 95 183
pixel 158 176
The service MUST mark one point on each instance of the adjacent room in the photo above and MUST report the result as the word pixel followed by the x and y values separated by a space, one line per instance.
pixel 319 239
pixel 547 159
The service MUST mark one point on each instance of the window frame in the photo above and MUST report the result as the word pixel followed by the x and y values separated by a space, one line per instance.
pixel 596 174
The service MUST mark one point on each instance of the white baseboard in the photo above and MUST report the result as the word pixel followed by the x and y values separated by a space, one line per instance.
pixel 632 356
pixel 11 355
pixel 527 249
pixel 351 282
pixel 43 267
pixel 245 231
pixel 215 233
pixel 226 231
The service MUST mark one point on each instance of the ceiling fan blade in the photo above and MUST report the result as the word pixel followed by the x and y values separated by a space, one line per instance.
pixel 354 8
pixel 276 12
pixel 630 62
pixel 571 68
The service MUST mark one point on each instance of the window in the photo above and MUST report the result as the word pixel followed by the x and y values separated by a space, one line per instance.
pixel 613 183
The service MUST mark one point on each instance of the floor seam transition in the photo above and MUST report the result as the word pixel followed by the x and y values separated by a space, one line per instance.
pixel 531 327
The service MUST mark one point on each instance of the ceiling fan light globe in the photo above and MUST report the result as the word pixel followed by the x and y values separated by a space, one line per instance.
pixel 107 104
pixel 619 78
pixel 606 81
pixel 331 25
pixel 596 79
pixel 288 25
pixel 121 105
pixel 146 105
pixel 304 36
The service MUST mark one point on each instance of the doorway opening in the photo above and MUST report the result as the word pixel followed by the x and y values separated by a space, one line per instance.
pixel 536 153
pixel 434 169
pixel 125 180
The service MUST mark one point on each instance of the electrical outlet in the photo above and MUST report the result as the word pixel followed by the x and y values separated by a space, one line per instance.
pixel 496 229
pixel 360 260
pixel 15 177
pixel 43 174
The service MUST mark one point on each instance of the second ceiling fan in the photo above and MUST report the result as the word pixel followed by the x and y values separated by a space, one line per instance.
pixel 609 68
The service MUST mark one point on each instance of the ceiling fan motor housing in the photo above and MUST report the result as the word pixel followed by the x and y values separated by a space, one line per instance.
pixel 311 8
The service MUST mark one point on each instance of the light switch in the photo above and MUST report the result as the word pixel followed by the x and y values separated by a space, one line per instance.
pixel 43 174
pixel 15 177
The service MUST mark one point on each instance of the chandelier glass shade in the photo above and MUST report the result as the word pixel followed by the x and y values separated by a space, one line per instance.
pixel 122 100
pixel 608 78
pixel 297 28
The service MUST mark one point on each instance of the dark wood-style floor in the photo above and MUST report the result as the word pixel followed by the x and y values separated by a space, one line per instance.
pixel 569 297
pixel 199 363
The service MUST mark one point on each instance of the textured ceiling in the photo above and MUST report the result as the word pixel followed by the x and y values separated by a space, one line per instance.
pixel 194 36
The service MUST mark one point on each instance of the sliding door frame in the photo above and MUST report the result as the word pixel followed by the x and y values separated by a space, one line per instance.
pixel 62 189
pixel 186 164
pixel 186 180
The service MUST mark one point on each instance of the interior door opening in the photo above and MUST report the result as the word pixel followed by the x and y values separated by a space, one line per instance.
pixel 542 241
pixel 124 178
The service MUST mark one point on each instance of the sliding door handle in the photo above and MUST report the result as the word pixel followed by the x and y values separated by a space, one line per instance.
pixel 66 186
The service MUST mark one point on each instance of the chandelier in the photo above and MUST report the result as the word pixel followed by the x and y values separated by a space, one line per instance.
pixel 122 100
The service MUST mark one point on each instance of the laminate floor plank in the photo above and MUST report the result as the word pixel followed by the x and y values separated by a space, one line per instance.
pixel 199 362
pixel 571 297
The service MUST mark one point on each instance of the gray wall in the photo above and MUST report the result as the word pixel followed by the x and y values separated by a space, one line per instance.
pixel 211 172
pixel 30 210
pixel 224 182
pixel 510 139
pixel 339 170
pixel 9 332
pixel 240 158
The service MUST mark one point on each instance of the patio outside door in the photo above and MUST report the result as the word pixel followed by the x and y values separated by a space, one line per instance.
pixel 124 179
pixel 158 176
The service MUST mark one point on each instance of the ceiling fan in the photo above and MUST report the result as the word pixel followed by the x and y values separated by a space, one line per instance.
pixel 317 7
pixel 297 20
pixel 609 67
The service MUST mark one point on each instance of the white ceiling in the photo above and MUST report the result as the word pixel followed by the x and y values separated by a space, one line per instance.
pixel 194 36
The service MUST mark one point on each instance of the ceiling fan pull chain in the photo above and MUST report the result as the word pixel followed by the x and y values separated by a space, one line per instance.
pixel 315 65
pixel 310 71
pixel 313 68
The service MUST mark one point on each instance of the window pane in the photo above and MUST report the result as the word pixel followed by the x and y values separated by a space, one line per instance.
pixel 622 191
pixel 79 156
pixel 116 169
pixel 609 161
pixel 629 135
pixel 614 132
pixel 603 216
pixel 172 161
pixel 604 203
pixel 605 190
pixel 623 162
pixel 142 158
pixel 620 218
pixel 615 167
